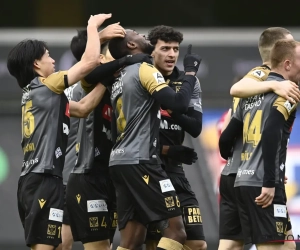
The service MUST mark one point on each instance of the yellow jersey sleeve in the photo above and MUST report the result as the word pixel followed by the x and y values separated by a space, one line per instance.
pixel 258 73
pixel 56 81
pixel 151 79
pixel 284 107
pixel 86 86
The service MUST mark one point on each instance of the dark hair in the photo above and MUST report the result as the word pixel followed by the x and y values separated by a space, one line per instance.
pixel 118 47
pixel 164 33
pixel 78 44
pixel 268 39
pixel 21 58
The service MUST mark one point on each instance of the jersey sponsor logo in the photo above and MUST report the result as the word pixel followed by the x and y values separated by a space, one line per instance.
pixel 67 110
pixel 245 172
pixel 56 214
pixel 58 153
pixel 165 125
pixel 164 113
pixel 117 87
pixel 146 178
pixel 96 206
pixel 254 101
pixel 280 210
pixel 29 148
pixel 166 186
pixel 117 151
pixel 69 91
pixel 107 132
pixel 106 112
pixel 31 162
pixel 289 106
pixel 192 215
pixel 97 152
pixel 78 198
pixel 66 129
pixel 258 73
pixel 159 77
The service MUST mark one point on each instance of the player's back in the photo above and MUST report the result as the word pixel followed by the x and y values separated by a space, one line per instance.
pixel 137 117
pixel 254 112
pixel 45 128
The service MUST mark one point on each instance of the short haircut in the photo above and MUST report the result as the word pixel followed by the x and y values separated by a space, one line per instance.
pixel 267 40
pixel 78 44
pixel 164 33
pixel 118 47
pixel 282 50
pixel 21 58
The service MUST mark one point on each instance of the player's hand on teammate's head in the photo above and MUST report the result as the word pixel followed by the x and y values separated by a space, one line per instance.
pixel 191 62
pixel 182 154
pixel 97 20
pixel 288 90
pixel 266 197
pixel 112 31
pixel 133 59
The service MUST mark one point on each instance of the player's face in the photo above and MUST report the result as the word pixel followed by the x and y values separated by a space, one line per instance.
pixel 140 41
pixel 46 65
pixel 165 56
pixel 294 72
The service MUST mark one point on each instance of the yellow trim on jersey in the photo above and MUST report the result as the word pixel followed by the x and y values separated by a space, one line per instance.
pixel 258 73
pixel 235 104
pixel 86 86
pixel 284 107
pixel 151 79
pixel 55 82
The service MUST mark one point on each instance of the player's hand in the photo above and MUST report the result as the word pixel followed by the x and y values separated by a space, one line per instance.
pixel 288 90
pixel 111 31
pixel 191 62
pixel 285 179
pixel 182 154
pixel 133 59
pixel 97 20
pixel 266 197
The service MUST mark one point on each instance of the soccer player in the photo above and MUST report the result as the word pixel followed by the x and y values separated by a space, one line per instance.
pixel 173 126
pixel 230 232
pixel 144 191
pixel 265 122
pixel 90 192
pixel 45 129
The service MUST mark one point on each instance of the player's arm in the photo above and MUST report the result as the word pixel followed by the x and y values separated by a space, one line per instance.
pixel 252 85
pixel 191 122
pixel 61 80
pixel 231 132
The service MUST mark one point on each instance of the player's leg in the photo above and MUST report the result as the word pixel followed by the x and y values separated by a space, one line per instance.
pixel 230 229
pixel 289 244
pixel 112 208
pixel 66 233
pixel 41 197
pixel 267 224
pixel 151 198
pixel 153 237
pixel 87 205
pixel 191 214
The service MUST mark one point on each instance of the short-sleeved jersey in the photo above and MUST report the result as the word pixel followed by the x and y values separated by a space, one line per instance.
pixel 137 115
pixel 73 93
pixel 94 140
pixel 254 112
pixel 45 125
pixel 170 132
pixel 231 167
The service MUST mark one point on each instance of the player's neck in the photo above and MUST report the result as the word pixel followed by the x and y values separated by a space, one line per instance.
pixel 163 72
pixel 281 72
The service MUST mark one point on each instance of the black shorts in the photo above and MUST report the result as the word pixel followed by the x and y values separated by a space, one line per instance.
pixel 189 207
pixel 66 219
pixel 230 225
pixel 263 224
pixel 40 205
pixel 89 202
pixel 144 193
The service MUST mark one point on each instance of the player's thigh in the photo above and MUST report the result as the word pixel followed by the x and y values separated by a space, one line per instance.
pixel 289 244
pixel 43 199
pixel 270 246
pixel 151 244
pixel 67 237
pixel 230 225
pixel 230 245
pixel 267 224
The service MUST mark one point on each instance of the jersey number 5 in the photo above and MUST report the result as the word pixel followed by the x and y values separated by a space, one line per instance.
pixel 27 120
pixel 252 131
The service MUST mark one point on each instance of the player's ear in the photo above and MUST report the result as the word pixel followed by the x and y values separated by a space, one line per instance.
pixel 287 65
pixel 36 64
pixel 131 45
pixel 102 59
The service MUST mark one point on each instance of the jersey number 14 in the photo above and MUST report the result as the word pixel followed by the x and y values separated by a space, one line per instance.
pixel 252 131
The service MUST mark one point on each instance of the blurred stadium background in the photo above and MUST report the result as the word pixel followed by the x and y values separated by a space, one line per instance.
pixel 224 33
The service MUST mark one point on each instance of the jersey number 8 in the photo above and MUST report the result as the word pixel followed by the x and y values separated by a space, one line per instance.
pixel 27 120
pixel 252 131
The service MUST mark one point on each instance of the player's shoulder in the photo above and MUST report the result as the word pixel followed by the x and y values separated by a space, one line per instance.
pixel 260 73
